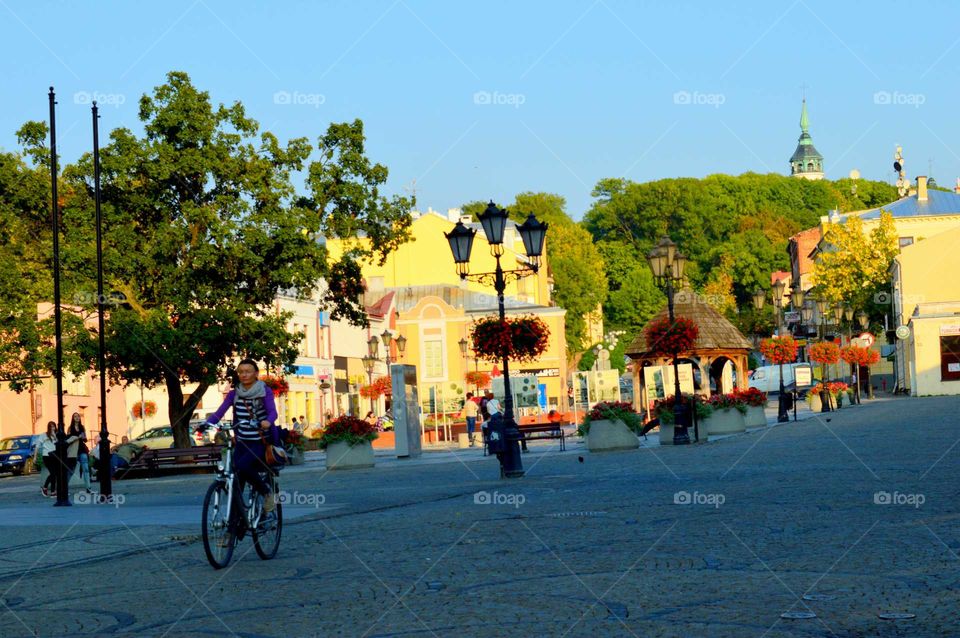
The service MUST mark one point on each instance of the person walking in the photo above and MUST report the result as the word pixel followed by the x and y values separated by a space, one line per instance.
pixel 470 411
pixel 77 451
pixel 47 450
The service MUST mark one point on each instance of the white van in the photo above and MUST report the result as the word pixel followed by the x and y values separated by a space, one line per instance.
pixel 767 378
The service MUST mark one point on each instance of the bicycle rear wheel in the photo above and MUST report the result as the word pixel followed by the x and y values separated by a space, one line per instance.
pixel 266 537
pixel 218 540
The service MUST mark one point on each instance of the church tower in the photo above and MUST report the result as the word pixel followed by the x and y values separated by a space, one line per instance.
pixel 806 162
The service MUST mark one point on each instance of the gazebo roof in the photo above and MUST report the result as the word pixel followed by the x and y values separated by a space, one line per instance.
pixel 716 333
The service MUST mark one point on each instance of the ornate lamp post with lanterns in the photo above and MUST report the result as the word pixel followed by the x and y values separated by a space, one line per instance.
pixel 533 232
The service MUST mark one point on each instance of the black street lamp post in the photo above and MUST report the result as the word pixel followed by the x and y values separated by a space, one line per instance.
pixel 668 264
pixel 387 338
pixel 864 322
pixel 369 361
pixel 854 368
pixel 783 408
pixel 825 397
pixel 532 232
pixel 797 302
pixel 61 448
pixel 106 488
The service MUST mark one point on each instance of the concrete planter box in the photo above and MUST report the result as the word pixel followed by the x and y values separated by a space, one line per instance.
pixel 607 436
pixel 815 404
pixel 755 417
pixel 296 456
pixel 726 421
pixel 342 456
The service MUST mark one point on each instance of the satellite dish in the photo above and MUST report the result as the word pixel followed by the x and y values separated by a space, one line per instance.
pixel 897 167
pixel 854 174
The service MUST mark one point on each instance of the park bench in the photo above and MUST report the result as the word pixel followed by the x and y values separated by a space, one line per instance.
pixel 151 462
pixel 539 430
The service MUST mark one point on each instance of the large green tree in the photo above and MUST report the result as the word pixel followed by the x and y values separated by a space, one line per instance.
pixel 205 227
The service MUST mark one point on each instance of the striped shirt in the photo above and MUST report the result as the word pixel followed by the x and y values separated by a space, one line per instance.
pixel 248 414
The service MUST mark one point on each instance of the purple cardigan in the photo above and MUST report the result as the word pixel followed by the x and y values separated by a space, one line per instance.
pixel 268 403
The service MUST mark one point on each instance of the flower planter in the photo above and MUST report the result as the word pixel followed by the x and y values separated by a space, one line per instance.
pixel 607 436
pixel 296 456
pixel 815 403
pixel 343 456
pixel 724 421
pixel 755 417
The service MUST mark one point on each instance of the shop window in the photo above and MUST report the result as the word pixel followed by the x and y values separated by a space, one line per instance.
pixel 433 359
pixel 950 358
pixel 904 242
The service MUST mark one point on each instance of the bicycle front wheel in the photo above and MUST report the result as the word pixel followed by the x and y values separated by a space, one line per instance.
pixel 266 537
pixel 218 540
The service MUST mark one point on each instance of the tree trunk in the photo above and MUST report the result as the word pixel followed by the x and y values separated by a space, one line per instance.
pixel 179 412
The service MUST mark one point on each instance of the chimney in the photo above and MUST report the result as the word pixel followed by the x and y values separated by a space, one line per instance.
pixel 921 188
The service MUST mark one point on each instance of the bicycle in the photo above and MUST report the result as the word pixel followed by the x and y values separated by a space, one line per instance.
pixel 229 513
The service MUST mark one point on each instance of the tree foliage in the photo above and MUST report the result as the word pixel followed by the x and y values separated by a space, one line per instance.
pixel 204 227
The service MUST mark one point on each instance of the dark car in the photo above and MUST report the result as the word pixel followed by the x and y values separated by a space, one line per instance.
pixel 17 454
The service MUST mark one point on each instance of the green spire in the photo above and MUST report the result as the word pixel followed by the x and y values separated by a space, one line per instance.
pixel 804 118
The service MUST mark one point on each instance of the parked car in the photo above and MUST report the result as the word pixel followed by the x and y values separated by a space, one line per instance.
pixel 17 454
pixel 767 378
pixel 204 434
pixel 158 438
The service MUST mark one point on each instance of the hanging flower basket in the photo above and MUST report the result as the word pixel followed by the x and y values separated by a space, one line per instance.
pixel 518 338
pixel 779 349
pixel 824 353
pixel 279 385
pixel 147 408
pixel 478 379
pixel 381 386
pixel 860 356
pixel 665 337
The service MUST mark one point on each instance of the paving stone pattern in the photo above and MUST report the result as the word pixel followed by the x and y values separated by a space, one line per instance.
pixel 717 539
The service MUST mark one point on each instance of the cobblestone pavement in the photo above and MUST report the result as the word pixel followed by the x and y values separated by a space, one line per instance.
pixel 858 514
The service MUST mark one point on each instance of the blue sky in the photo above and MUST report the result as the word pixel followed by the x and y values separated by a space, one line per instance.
pixel 489 99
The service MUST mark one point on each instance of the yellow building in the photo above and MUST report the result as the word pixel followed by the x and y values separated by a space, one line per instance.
pixel 926 301
pixel 434 309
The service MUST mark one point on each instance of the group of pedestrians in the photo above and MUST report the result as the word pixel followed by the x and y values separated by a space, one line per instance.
pixel 78 455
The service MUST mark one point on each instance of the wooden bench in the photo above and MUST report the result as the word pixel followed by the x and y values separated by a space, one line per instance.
pixel 152 461
pixel 541 430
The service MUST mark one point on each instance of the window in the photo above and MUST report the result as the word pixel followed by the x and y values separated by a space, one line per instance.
pixel 905 241
pixel 950 358
pixel 433 359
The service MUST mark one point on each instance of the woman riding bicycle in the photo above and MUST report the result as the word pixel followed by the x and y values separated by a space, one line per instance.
pixel 254 415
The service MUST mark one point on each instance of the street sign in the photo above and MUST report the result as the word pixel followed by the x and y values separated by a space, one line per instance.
pixel 804 376
pixel 903 332
pixel 867 339
pixel 791 317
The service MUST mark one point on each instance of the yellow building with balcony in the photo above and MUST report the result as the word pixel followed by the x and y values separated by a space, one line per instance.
pixel 434 309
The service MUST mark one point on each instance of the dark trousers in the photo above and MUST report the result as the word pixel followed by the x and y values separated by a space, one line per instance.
pixel 249 462
pixel 53 465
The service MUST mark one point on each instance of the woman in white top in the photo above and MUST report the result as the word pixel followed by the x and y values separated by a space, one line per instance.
pixel 47 451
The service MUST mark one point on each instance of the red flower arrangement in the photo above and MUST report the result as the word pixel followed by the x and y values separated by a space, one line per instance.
pixel 148 408
pixel 279 385
pixel 671 337
pixel 380 387
pixel 779 349
pixel 836 387
pixel 860 355
pixel 347 429
pixel 728 401
pixel 518 338
pixel 752 397
pixel 478 379
pixel 663 408
pixel 824 353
